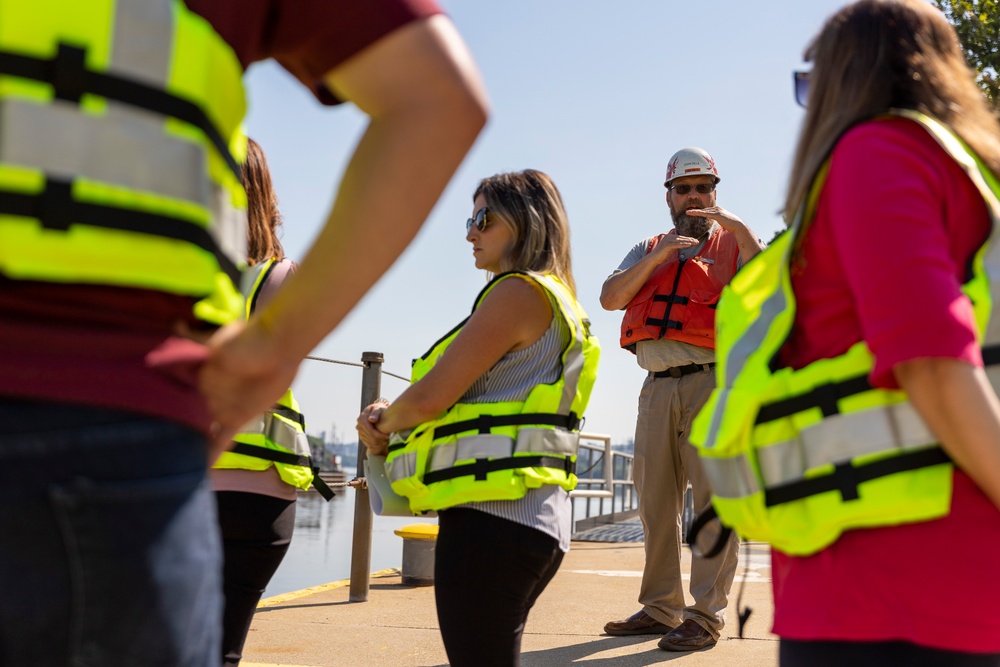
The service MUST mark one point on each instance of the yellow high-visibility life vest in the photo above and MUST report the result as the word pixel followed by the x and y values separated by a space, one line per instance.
pixel 796 457
pixel 120 150
pixel 277 437
pixel 497 451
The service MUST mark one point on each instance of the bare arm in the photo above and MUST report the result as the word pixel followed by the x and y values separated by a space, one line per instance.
pixel 621 287
pixel 489 334
pixel 421 90
pixel 960 407
pixel 747 241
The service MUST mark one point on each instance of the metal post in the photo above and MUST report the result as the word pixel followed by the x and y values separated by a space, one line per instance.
pixel 361 550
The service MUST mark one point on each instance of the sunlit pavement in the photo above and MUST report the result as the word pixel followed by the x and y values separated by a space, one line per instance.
pixel 598 582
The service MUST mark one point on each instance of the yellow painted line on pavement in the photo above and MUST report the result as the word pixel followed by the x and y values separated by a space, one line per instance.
pixel 294 595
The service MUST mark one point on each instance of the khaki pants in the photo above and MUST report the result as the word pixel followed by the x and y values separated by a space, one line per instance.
pixel 665 461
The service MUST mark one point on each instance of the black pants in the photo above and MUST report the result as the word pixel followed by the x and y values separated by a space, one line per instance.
pixel 877 654
pixel 256 532
pixel 488 572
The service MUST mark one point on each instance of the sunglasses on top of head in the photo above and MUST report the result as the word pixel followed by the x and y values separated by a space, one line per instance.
pixel 685 188
pixel 479 220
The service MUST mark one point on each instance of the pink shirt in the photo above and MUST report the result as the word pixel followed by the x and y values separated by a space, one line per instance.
pixel 896 225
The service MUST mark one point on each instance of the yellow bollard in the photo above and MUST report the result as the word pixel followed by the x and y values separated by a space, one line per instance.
pixel 419 540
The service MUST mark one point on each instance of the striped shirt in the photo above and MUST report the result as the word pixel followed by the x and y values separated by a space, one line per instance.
pixel 547 508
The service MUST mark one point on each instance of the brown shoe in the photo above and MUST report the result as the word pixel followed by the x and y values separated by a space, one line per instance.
pixel 639 623
pixel 688 636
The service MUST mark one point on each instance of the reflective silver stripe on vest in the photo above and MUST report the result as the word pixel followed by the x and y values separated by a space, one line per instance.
pixel 547 441
pixel 402 466
pixel 749 343
pixel 834 440
pixel 492 447
pixel 730 477
pixel 141 47
pixel 124 146
pixel 480 446
pixel 280 432
pixel 573 357
pixel 62 142
pixel 248 280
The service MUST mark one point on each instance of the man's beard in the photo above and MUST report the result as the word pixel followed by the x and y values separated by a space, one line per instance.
pixel 690 225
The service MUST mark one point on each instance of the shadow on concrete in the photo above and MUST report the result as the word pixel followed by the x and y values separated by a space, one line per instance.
pixel 567 655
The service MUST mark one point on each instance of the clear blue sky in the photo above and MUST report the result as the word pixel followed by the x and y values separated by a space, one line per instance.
pixel 598 95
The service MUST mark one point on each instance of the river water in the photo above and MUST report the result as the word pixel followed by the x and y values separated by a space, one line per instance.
pixel 324 531
pixel 321 544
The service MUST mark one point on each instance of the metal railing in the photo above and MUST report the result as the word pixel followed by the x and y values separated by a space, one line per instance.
pixel 605 480
pixel 613 484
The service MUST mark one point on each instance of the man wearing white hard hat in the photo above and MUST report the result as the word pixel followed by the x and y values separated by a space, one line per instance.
pixel 669 285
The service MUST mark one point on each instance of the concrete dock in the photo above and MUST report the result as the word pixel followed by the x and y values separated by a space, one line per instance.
pixel 597 582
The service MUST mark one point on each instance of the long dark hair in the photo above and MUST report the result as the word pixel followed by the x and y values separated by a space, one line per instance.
pixel 876 55
pixel 262 208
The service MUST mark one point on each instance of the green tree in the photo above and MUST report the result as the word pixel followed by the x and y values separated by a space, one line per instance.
pixel 977 23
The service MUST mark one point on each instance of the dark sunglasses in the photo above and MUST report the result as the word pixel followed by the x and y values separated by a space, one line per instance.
pixel 479 221
pixel 685 188
pixel 801 82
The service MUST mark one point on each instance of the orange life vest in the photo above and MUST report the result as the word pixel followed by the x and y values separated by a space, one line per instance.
pixel 678 301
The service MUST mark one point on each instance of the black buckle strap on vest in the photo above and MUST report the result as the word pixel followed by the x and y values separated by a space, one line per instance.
pixel 680 371
pixel 70 79
pixel 664 324
pixel 68 73
pixel 268 454
pixel 287 458
pixel 321 486
pixel 486 423
pixel 672 298
pixel 721 540
pixel 698 524
pixel 991 355
pixel 825 397
pixel 290 415
pixel 56 209
pixel 846 477
pixel 480 468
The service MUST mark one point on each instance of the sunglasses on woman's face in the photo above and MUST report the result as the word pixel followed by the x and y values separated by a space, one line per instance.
pixel 479 220
pixel 801 82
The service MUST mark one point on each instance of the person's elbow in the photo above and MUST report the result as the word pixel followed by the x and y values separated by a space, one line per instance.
pixel 610 299
pixel 463 109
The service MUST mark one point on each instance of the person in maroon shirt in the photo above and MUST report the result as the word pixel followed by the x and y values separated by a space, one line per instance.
pixel 109 552
pixel 883 261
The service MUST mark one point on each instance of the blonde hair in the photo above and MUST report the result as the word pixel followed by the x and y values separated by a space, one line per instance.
pixel 529 203
pixel 876 55
pixel 263 216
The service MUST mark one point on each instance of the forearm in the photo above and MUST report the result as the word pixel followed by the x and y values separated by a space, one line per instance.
pixel 960 407
pixel 411 409
pixel 620 288
pixel 748 242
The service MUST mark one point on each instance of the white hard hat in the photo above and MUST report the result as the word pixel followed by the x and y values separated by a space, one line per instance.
pixel 691 162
